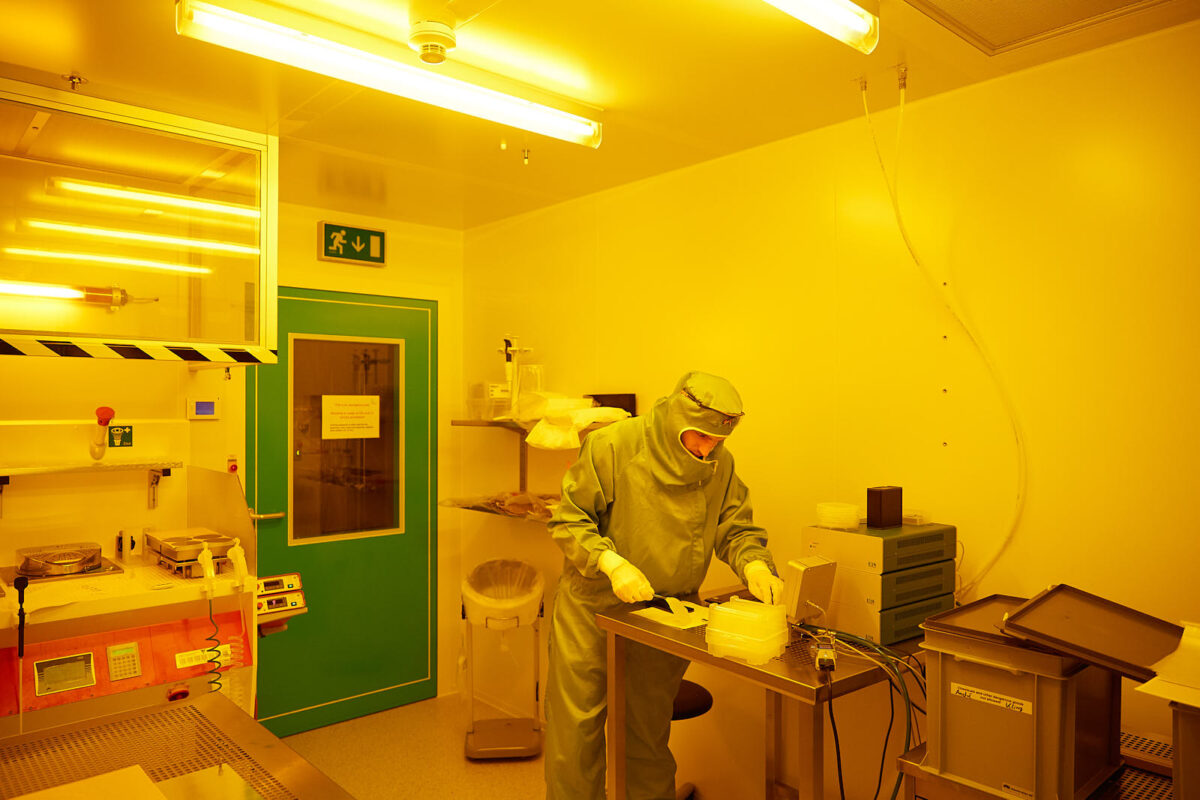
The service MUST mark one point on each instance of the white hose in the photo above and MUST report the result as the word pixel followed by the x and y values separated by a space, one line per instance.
pixel 946 298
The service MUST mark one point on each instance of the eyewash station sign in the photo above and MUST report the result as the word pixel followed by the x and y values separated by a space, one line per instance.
pixel 351 245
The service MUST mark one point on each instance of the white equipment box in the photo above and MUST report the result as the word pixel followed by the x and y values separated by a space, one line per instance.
pixel 880 550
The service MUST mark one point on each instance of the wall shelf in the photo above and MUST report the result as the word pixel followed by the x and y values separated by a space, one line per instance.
pixel 156 471
pixel 99 466
pixel 523 457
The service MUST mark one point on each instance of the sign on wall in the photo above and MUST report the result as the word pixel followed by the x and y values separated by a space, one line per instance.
pixel 120 436
pixel 349 416
pixel 351 245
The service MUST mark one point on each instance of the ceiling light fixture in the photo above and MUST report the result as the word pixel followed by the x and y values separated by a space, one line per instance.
pixel 153 198
pixel 138 236
pixel 118 261
pixel 840 19
pixel 227 28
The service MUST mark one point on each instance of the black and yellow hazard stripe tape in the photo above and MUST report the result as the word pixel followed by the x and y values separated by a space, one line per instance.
pixel 135 351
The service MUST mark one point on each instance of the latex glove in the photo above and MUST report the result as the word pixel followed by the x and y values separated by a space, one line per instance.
pixel 763 584
pixel 628 582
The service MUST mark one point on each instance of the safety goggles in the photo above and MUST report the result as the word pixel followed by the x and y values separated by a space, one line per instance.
pixel 726 418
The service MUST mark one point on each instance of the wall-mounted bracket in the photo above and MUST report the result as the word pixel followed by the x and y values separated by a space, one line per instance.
pixel 152 491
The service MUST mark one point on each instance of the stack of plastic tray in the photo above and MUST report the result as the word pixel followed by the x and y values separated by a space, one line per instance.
pixel 1012 718
pixel 746 629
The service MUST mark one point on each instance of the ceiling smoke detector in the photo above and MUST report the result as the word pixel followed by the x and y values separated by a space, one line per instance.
pixel 431 40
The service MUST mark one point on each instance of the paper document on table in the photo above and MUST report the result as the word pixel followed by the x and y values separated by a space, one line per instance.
pixel 62 593
pixel 683 614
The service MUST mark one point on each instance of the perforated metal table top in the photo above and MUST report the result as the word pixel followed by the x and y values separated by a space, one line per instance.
pixel 167 741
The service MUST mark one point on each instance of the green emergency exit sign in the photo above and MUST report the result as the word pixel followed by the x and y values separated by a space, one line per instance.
pixel 351 245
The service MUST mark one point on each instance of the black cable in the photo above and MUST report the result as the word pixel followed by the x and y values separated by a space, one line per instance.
pixel 886 737
pixel 215 650
pixel 837 746
pixel 890 657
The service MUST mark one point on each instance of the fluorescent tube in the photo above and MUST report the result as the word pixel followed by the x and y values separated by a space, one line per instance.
pixel 840 19
pixel 153 198
pixel 138 236
pixel 226 28
pixel 119 261
pixel 22 289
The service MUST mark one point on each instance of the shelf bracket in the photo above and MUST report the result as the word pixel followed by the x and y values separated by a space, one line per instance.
pixel 524 475
pixel 152 490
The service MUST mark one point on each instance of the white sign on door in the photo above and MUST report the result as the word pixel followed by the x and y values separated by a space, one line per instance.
pixel 349 416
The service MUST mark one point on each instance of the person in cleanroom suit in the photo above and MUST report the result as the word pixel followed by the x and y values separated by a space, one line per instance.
pixel 643 510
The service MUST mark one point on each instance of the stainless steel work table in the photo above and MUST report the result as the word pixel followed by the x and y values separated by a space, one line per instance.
pixel 168 741
pixel 792 674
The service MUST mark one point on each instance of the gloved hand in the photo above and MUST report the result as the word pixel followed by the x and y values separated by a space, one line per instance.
pixel 628 582
pixel 763 584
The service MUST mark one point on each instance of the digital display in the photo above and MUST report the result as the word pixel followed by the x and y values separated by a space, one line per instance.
pixel 61 674
pixel 206 408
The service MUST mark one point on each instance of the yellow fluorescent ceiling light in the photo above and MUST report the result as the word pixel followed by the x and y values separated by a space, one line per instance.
pixel 153 198
pixel 118 261
pixel 226 28
pixel 40 290
pixel 840 19
pixel 137 236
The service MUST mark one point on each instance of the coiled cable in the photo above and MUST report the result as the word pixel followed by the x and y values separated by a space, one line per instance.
pixel 214 651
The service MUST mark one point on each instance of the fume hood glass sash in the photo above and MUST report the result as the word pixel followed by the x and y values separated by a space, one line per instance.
pixel 123 226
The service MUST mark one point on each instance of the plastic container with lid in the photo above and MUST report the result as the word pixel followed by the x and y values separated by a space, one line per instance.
pixel 1012 718
pixel 746 629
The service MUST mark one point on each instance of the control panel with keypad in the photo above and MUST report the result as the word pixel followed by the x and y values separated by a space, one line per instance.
pixel 124 661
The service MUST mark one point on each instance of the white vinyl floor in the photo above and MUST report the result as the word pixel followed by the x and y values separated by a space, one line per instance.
pixel 415 752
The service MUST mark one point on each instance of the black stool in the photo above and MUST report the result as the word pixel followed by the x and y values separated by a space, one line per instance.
pixel 691 700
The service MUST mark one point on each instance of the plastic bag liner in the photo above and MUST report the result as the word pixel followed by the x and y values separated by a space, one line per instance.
pixel 503 593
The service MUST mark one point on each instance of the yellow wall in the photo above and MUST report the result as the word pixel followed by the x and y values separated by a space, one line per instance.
pixel 47 419
pixel 1057 206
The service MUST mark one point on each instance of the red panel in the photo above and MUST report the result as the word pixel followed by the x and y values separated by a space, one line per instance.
pixel 157 648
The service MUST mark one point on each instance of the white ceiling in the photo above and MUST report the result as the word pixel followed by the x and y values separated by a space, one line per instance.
pixel 678 82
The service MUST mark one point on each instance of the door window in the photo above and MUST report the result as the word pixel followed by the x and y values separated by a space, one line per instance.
pixel 347 464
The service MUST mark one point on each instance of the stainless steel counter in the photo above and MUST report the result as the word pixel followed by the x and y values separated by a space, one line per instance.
pixel 185 738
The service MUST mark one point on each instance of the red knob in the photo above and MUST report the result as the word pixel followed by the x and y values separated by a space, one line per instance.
pixel 104 415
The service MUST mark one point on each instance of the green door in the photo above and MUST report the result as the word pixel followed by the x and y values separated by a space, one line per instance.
pixel 341 438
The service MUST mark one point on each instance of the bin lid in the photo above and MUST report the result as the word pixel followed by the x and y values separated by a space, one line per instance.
pixel 980 619
pixel 1096 630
